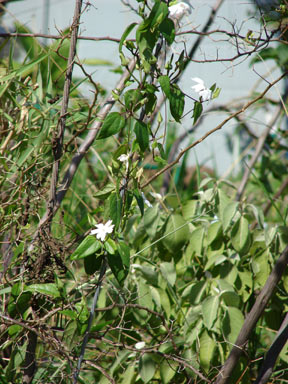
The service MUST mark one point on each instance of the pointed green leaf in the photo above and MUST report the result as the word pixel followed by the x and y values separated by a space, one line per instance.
pixel 105 192
pixel 207 347
pixel 164 82
pixel 214 232
pixel 240 235
pixel 197 111
pixel 115 209
pixel 142 135
pixel 49 289
pixel 196 242
pixel 167 28
pixel 176 233
pixel 177 102
pixel 228 214
pixel 232 323
pixel 209 309
pixel 92 263
pixel 125 34
pixel 112 124
pixel 147 367
pixel 89 246
pixel 169 273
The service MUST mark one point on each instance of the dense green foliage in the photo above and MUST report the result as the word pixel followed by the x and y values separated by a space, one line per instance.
pixel 179 272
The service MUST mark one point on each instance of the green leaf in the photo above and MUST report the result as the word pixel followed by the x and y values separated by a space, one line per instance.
pixel 124 252
pixel 151 220
pixel 118 269
pixel 105 192
pixel 189 209
pixel 94 62
pixel 240 235
pixel 147 367
pixel 196 242
pixel 19 301
pixel 145 297
pixel 167 28
pixel 214 260
pixel 49 289
pixel 113 123
pixel 92 263
pixel 115 209
pixel 195 292
pixel 197 111
pixel 176 233
pixel 207 347
pixel 177 102
pixel 23 69
pixel 149 274
pixel 228 214
pixel 125 34
pixel 132 99
pixel 142 135
pixel 214 232
pixel 157 15
pixel 139 200
pixel 89 246
pixel 164 82
pixel 232 323
pixel 169 273
pixel 209 309
pixel 167 371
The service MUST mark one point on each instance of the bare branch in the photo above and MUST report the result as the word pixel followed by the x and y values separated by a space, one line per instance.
pixel 258 150
pixel 274 351
pixel 252 318
pixel 58 144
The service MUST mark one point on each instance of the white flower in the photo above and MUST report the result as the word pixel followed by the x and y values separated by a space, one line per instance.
pixel 124 159
pixel 204 93
pixel 147 202
pixel 177 11
pixel 140 345
pixel 156 196
pixel 102 230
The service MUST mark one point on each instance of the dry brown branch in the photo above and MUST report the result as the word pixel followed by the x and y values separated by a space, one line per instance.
pixel 58 141
pixel 252 318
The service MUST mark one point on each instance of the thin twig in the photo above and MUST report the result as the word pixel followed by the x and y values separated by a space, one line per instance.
pixel 90 320
pixel 258 150
pixel 269 204
pixel 219 126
